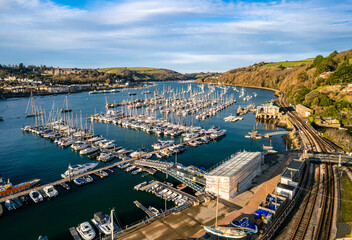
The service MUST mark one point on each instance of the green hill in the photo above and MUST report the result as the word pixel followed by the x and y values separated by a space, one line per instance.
pixel 321 83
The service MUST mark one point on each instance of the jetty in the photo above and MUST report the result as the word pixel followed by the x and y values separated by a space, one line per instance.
pixel 146 210
pixel 74 233
pixel 93 172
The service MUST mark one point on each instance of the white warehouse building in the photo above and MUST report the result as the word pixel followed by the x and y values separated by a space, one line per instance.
pixel 234 175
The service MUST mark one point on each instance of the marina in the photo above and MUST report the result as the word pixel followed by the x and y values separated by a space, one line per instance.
pixel 54 161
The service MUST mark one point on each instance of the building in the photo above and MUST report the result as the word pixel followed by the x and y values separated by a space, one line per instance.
pixel 268 111
pixel 234 175
pixel 302 110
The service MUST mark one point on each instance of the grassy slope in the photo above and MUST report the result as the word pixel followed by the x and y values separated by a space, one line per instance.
pixel 346 196
pixel 290 63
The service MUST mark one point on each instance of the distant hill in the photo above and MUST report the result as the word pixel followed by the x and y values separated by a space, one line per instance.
pixel 153 74
pixel 321 83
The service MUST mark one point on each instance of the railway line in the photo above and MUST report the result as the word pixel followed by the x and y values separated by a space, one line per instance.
pixel 310 138
pixel 327 210
pixel 306 214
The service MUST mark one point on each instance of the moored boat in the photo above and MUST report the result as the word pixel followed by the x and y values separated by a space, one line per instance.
pixel 50 191
pixel 7 189
pixel 86 231
pixel 36 196
pixel 78 169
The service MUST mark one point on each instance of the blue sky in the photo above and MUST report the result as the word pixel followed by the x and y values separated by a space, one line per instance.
pixel 184 35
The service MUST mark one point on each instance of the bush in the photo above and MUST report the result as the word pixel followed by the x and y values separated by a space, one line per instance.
pixel 299 94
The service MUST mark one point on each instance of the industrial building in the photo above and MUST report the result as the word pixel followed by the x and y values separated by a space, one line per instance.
pixel 234 175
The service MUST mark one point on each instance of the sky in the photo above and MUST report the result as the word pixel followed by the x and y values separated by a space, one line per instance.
pixel 183 35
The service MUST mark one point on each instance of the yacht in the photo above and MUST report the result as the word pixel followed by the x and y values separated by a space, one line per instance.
pixel 36 196
pixel 79 145
pixel 162 144
pixel 50 191
pixel 88 150
pixel 105 157
pixel 226 232
pixel 78 169
pixel 218 134
pixel 104 223
pixel 86 231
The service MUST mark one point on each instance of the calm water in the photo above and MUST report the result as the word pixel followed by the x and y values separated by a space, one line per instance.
pixel 27 156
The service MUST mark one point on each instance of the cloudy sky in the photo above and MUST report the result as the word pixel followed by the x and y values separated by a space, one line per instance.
pixel 184 35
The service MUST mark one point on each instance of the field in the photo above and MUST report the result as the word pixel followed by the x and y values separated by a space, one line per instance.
pixel 144 70
pixel 290 63
pixel 346 196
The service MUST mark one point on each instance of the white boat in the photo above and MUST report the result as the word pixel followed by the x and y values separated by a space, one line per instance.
pixel 154 211
pixel 88 150
pixel 50 191
pixel 105 157
pixel 226 232
pixel 218 134
pixel 105 223
pixel 86 231
pixel 78 169
pixel 163 144
pixel 79 145
pixel 36 196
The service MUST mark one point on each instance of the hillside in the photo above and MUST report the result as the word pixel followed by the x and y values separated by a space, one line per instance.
pixel 153 74
pixel 321 83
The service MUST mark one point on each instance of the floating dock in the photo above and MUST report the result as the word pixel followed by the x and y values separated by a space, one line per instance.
pixel 146 210
pixel 74 234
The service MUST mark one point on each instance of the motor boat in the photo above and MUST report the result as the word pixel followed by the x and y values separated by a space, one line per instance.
pixel 104 223
pixel 78 169
pixel 36 196
pixel 86 231
pixel 50 191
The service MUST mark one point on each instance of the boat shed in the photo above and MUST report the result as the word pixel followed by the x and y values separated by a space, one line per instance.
pixel 234 175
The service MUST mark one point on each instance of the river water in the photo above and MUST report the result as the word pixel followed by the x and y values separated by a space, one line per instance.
pixel 25 156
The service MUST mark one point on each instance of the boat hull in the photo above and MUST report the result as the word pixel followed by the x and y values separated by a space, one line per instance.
pixel 19 188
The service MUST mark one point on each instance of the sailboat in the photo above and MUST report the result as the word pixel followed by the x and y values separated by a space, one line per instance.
pixel 224 231
pixel 31 110
pixel 67 109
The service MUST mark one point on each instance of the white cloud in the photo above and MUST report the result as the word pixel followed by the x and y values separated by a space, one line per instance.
pixel 199 33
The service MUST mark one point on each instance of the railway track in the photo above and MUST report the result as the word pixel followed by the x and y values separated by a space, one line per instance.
pixel 306 214
pixel 310 138
pixel 327 209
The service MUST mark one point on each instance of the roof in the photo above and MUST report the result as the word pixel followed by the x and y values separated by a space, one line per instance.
pixel 295 164
pixel 290 174
pixel 234 164
pixel 271 104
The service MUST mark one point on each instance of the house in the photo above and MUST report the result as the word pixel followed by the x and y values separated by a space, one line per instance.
pixel 303 111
